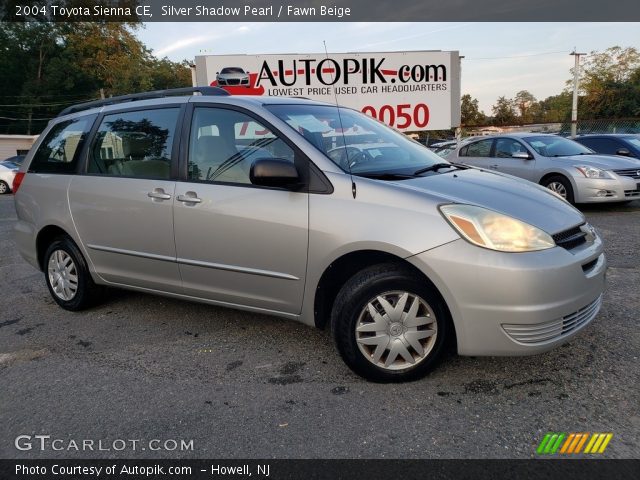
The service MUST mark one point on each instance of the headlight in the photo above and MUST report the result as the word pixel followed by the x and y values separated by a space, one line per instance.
pixel 494 230
pixel 592 172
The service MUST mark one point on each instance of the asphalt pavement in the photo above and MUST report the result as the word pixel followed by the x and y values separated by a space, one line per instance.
pixel 230 384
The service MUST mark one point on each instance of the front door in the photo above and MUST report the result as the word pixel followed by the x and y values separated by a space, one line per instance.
pixel 504 162
pixel 238 243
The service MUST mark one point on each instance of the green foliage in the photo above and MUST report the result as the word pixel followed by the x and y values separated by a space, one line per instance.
pixel 503 111
pixel 610 84
pixel 470 113
pixel 47 66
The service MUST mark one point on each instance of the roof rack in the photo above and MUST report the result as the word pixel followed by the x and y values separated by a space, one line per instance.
pixel 210 91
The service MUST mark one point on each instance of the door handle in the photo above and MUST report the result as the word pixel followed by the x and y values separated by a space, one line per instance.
pixel 495 167
pixel 158 194
pixel 189 198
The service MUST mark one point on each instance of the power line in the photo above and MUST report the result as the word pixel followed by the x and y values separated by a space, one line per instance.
pixel 53 95
pixel 515 56
pixel 46 104
pixel 25 119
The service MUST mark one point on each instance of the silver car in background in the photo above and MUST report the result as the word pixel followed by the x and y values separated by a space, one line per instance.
pixel 247 202
pixel 232 76
pixel 565 167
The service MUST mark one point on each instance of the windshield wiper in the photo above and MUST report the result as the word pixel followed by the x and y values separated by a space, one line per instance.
pixel 571 154
pixel 385 176
pixel 437 166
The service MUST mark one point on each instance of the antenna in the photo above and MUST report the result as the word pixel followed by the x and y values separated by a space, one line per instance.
pixel 346 154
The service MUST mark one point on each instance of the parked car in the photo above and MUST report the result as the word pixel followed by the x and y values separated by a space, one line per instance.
pixel 443 149
pixel 236 201
pixel 627 145
pixel 7 174
pixel 567 168
pixel 232 76
pixel 15 160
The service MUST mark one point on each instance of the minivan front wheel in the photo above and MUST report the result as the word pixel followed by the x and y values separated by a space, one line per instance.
pixel 67 276
pixel 389 325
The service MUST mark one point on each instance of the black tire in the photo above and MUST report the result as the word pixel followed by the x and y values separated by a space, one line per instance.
pixel 549 181
pixel 87 292
pixel 353 298
pixel 4 187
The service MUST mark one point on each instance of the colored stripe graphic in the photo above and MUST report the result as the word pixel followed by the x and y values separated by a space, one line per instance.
pixel 543 443
pixel 572 443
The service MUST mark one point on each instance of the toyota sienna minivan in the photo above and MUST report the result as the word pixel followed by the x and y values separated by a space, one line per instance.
pixel 235 201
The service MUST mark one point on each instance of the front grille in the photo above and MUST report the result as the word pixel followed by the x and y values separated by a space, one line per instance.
pixel 632 193
pixel 629 172
pixel 549 331
pixel 570 238
pixel 233 81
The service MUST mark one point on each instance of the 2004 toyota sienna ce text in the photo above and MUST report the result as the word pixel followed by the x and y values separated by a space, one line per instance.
pixel 235 201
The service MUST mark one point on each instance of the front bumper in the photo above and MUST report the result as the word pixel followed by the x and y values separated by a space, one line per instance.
pixel 516 303
pixel 595 190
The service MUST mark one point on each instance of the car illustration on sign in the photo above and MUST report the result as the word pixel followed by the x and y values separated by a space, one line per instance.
pixel 232 76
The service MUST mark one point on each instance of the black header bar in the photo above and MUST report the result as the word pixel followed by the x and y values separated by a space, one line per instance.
pixel 320 11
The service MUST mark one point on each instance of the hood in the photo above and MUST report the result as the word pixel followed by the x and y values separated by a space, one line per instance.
pixel 605 162
pixel 512 196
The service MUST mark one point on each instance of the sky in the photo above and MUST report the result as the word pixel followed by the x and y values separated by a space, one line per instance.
pixel 500 58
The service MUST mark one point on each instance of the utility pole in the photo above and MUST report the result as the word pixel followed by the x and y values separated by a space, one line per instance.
pixel 574 106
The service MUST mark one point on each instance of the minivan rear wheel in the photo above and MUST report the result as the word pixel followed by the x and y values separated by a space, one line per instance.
pixel 389 324
pixel 67 276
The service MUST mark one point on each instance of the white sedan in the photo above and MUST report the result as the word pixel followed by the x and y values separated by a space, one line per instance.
pixel 6 177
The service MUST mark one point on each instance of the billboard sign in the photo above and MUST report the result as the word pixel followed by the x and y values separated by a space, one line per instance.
pixel 411 91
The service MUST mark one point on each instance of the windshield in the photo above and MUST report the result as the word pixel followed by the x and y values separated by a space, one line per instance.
pixel 355 142
pixel 232 70
pixel 554 146
pixel 634 141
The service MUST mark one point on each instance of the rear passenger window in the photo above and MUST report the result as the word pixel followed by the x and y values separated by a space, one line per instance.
pixel 477 149
pixel 135 144
pixel 58 152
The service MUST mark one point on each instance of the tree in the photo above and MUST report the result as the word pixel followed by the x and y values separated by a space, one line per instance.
pixel 503 111
pixel 608 83
pixel 49 65
pixel 470 113
pixel 525 103
pixel 556 108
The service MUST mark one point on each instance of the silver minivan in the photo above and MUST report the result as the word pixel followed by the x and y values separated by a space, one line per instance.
pixel 247 202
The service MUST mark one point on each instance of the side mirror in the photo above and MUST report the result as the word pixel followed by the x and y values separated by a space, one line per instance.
pixel 624 152
pixel 274 172
pixel 521 155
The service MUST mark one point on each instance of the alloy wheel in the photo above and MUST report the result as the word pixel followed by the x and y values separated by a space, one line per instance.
pixel 558 188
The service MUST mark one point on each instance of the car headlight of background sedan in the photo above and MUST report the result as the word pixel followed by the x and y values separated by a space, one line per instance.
pixel 593 172
pixel 494 230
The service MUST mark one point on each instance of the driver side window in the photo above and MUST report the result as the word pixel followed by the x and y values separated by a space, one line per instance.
pixel 224 143
pixel 506 147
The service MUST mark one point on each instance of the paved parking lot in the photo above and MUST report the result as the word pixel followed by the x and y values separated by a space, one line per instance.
pixel 246 385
